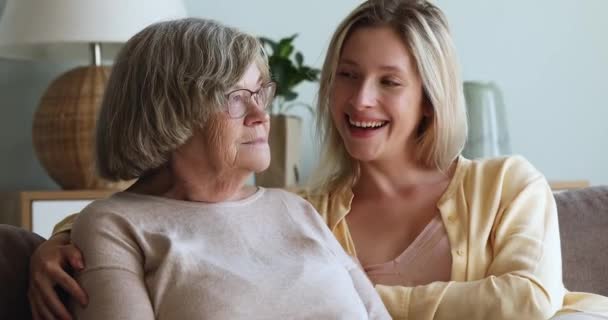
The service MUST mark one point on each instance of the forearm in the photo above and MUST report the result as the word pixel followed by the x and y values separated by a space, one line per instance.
pixel 504 297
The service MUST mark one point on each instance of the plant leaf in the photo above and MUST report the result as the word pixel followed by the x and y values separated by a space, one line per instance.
pixel 308 74
pixel 291 38
pixel 290 95
pixel 284 49
pixel 283 72
pixel 269 43
pixel 288 72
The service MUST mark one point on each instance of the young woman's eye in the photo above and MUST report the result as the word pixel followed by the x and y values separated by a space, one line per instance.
pixel 390 83
pixel 346 74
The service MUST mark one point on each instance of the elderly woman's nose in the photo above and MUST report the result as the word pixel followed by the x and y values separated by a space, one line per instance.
pixel 256 115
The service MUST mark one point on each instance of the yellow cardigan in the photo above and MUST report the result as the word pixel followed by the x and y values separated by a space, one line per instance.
pixel 501 220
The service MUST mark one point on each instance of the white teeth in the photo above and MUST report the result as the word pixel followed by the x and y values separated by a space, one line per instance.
pixel 366 124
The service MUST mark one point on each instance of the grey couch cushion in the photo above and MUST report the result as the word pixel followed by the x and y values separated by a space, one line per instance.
pixel 583 219
pixel 16 246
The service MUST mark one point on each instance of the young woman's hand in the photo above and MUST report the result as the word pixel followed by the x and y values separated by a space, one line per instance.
pixel 49 267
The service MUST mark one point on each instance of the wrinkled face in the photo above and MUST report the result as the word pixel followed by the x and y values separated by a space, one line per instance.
pixel 234 144
pixel 377 97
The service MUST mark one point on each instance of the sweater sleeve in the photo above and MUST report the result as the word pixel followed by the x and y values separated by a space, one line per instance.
pixel 523 280
pixel 363 286
pixel 114 276
pixel 372 301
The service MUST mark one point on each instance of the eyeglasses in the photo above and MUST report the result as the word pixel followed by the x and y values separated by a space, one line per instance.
pixel 239 99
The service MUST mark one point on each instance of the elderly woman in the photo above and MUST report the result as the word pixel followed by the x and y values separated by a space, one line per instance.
pixel 185 112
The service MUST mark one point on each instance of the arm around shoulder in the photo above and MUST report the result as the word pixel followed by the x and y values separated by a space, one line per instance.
pixel 113 277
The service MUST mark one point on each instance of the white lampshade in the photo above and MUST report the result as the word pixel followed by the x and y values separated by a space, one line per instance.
pixel 62 29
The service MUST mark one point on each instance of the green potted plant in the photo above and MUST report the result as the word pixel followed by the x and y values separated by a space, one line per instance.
pixel 288 71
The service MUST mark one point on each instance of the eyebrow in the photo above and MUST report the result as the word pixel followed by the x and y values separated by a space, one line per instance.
pixel 387 67
pixel 259 81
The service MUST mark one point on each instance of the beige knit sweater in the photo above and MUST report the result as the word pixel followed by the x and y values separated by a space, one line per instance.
pixel 269 256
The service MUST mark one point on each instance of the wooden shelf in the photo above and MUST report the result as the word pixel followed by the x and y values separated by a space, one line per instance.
pixel 568 184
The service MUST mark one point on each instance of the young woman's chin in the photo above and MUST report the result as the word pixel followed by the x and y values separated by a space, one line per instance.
pixel 367 148
pixel 363 153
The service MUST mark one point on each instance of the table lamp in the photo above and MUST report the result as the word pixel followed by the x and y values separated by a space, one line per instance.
pixel 488 135
pixel 75 31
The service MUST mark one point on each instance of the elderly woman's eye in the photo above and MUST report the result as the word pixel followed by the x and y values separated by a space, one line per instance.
pixel 237 96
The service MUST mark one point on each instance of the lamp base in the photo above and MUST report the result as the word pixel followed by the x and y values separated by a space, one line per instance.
pixel 64 129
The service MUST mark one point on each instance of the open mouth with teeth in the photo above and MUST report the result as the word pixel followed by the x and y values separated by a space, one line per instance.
pixel 365 125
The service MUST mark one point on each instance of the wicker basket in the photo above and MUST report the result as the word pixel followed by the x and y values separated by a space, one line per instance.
pixel 64 129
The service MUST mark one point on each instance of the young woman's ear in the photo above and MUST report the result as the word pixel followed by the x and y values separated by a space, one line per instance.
pixel 427 107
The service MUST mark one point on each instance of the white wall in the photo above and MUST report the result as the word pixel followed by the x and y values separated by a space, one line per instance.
pixel 550 57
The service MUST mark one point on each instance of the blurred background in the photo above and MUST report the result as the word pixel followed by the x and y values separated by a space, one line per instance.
pixel 549 58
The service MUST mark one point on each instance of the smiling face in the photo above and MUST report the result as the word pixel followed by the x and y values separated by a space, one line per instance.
pixel 233 145
pixel 377 98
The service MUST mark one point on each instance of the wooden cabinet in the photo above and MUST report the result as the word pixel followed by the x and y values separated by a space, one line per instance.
pixel 39 211
pixel 568 184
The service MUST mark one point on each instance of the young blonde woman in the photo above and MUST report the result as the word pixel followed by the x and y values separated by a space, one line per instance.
pixel 441 236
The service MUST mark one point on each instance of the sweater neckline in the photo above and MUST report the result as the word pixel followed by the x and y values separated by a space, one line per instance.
pixel 195 204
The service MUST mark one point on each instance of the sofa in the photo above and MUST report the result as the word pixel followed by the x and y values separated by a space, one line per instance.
pixel 583 218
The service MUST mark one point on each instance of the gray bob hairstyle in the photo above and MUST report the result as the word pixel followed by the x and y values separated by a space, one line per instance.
pixel 166 82
pixel 424 30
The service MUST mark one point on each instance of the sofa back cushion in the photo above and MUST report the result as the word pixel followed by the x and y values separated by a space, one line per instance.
pixel 16 246
pixel 583 222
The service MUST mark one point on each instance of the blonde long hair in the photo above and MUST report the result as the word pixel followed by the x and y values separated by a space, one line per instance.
pixel 424 30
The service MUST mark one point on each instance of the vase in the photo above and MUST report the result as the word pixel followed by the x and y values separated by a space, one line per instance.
pixel 488 134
